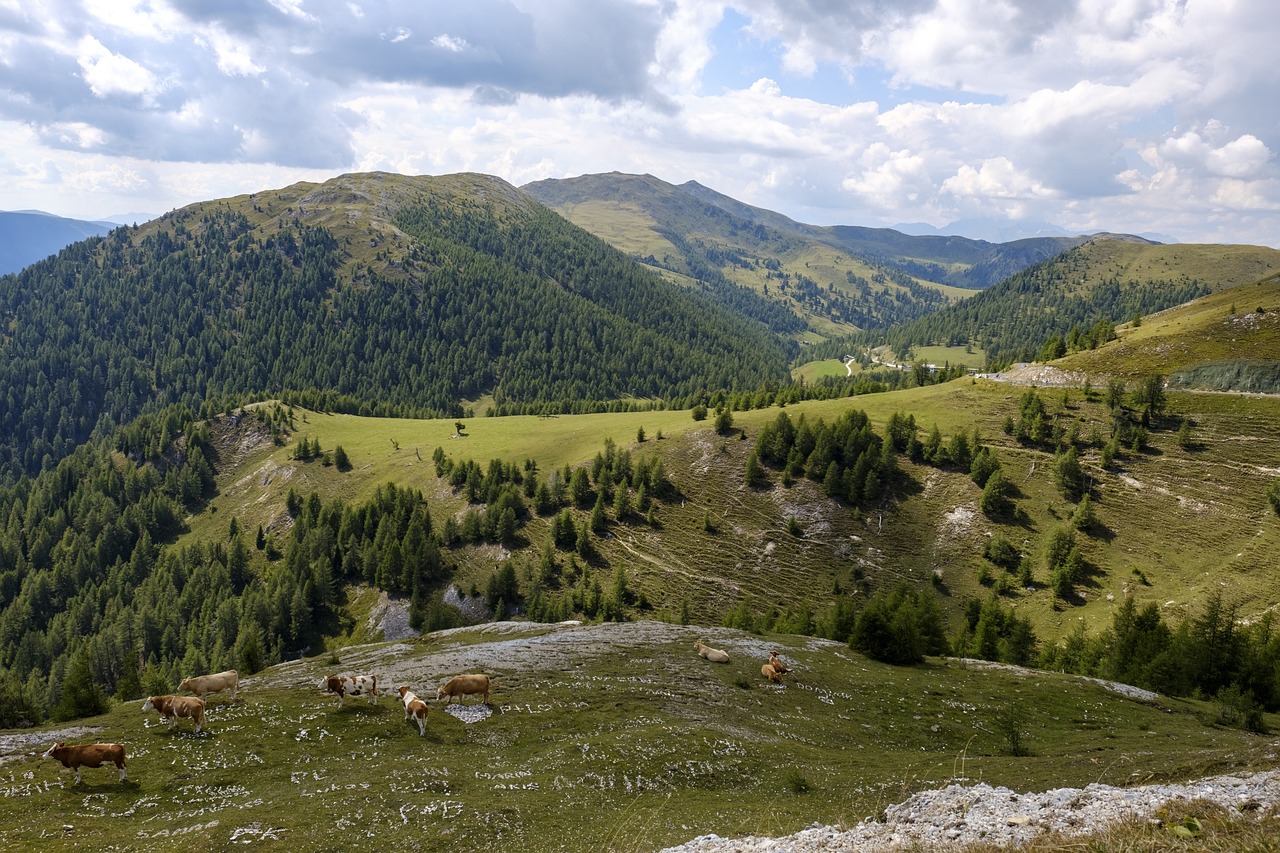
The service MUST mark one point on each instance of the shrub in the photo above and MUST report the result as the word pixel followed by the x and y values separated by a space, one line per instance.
pixel 1010 722
pixel 1000 551
pixel 794 781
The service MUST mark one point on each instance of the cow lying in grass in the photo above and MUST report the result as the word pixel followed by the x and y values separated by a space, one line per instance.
pixel 77 756
pixel 203 684
pixel 713 655
pixel 352 685
pixel 173 707
pixel 770 673
pixel 776 663
pixel 464 685
pixel 414 708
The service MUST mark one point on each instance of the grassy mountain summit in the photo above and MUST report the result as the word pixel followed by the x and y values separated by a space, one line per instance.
pixel 376 293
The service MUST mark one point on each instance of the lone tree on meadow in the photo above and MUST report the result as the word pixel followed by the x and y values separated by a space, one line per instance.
pixel 1149 395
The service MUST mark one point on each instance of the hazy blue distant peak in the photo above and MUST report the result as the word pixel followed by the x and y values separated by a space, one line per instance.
pixel 136 218
pixel 986 228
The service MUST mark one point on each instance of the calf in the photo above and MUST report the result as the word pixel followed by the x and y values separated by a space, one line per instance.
pixel 352 685
pixel 713 655
pixel 77 756
pixel 463 685
pixel 415 708
pixel 173 707
pixel 202 684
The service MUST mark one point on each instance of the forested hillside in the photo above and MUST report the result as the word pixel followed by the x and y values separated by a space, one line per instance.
pixel 1073 301
pixel 377 294
pixel 838 278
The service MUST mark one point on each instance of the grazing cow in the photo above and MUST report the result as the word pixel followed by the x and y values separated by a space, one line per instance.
pixel 173 707
pixel 76 756
pixel 202 684
pixel 352 685
pixel 776 663
pixel 415 708
pixel 462 685
pixel 770 673
pixel 713 655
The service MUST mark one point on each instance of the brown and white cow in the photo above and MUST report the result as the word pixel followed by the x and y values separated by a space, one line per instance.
pixel 414 708
pixel 76 756
pixel 173 707
pixel 776 663
pixel 464 685
pixel 203 684
pixel 352 685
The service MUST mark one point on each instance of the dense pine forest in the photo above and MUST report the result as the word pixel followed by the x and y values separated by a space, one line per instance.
pixel 208 307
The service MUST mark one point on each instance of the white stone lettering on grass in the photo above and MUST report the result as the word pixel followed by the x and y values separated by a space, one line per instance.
pixel 255 833
pixel 173 833
pixel 527 709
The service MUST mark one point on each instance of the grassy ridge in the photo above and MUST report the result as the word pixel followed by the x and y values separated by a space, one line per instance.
pixel 604 737
pixel 1173 522
pixel 1238 325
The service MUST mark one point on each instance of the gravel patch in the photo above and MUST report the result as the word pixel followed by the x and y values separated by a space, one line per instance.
pixel 959 815
pixel 391 617
pixel 469 713
pixel 14 746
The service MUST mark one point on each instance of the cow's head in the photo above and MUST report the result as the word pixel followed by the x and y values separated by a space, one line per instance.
pixel 149 704
pixel 53 750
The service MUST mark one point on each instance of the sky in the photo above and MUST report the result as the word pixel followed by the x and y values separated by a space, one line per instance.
pixel 1138 116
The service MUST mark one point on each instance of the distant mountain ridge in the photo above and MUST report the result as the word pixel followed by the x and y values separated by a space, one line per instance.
pixel 995 230
pixel 27 236
pixel 840 279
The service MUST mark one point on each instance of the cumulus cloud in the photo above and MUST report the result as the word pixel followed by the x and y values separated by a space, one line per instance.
pixel 110 73
pixel 1243 157
pixel 995 178
pixel 1093 113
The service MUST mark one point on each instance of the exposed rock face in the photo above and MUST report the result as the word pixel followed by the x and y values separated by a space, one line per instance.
pixel 958 815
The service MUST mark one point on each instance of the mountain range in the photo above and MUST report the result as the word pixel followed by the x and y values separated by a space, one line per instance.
pixel 241 434
pixel 27 236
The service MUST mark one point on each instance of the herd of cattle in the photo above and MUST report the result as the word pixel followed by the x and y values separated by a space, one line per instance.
pixel 173 708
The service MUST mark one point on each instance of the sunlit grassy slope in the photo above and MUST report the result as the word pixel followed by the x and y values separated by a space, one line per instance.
pixel 600 738
pixel 1174 523
pixel 1198 344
